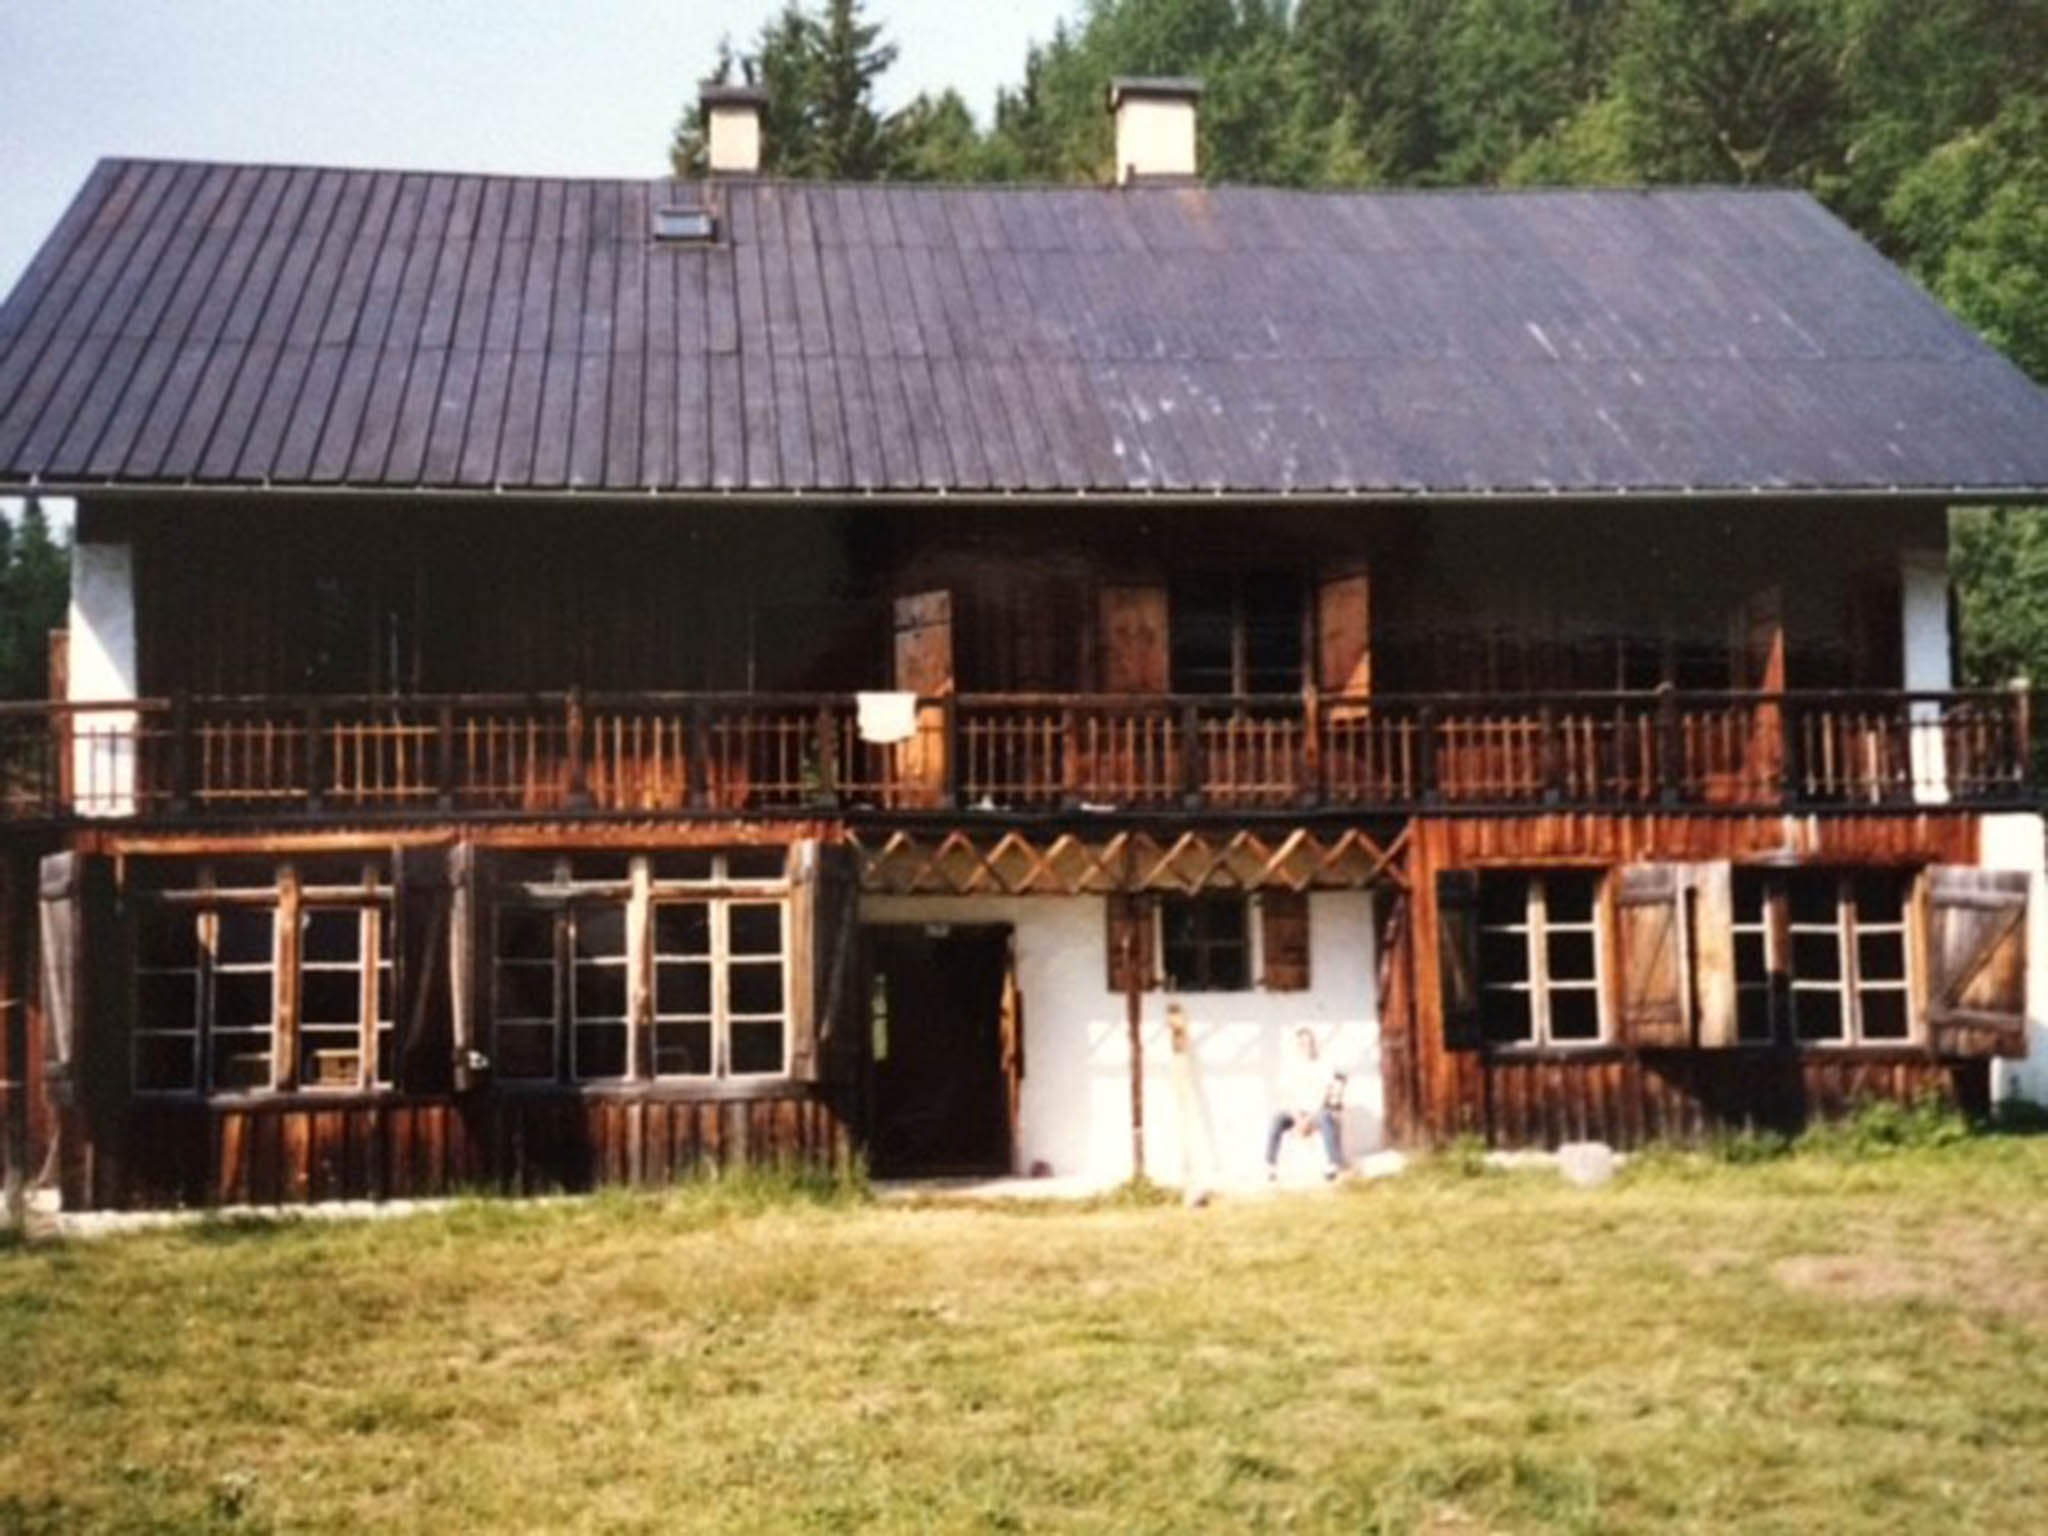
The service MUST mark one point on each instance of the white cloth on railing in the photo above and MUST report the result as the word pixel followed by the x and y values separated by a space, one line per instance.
pixel 886 717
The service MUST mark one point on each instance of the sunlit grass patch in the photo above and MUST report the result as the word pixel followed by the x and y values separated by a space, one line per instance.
pixel 1809 1342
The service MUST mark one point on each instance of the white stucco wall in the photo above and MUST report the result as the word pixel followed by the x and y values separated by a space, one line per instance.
pixel 102 666
pixel 1074 1109
pixel 2016 842
pixel 1929 664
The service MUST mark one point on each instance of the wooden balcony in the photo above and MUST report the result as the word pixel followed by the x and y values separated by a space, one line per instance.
pixel 974 756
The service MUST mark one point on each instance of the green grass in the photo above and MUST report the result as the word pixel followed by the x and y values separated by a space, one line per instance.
pixel 1803 1343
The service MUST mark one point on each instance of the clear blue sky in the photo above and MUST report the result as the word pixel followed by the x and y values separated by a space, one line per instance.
pixel 540 86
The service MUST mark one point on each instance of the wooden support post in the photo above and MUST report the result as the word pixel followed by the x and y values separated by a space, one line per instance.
pixel 826 745
pixel 1134 1021
pixel 1788 754
pixel 316 757
pixel 1551 753
pixel 577 748
pixel 1190 755
pixel 1309 762
pixel 949 750
pixel 700 755
pixel 1070 758
pixel 1425 755
pixel 2023 739
pixel 181 753
pixel 444 755
pixel 1670 745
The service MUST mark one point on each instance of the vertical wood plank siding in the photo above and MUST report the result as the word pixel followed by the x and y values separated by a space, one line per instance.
pixel 1612 1093
pixel 295 1152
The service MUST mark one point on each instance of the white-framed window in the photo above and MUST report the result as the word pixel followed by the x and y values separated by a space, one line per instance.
pixel 708 932
pixel 1541 958
pixel 216 983
pixel 1823 957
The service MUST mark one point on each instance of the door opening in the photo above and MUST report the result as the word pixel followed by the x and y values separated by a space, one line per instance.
pixel 941 1076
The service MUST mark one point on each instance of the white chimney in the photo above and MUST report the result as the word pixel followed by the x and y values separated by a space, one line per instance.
pixel 1155 128
pixel 732 128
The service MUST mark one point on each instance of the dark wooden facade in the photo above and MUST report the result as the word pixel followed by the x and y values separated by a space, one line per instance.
pixel 1106 704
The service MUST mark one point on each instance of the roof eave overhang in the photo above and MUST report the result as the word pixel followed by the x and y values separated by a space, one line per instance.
pixel 194 490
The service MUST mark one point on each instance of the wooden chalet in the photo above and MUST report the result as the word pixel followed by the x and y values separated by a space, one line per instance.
pixel 576 681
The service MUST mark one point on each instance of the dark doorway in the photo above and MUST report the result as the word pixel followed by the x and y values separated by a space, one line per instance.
pixel 941 1070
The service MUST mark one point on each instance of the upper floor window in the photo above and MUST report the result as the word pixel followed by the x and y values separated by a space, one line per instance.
pixel 1540 958
pixel 1237 633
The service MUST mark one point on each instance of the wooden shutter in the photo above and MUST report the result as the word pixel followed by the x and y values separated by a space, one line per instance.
pixel 924 666
pixel 420 924
pixel 1129 941
pixel 1283 940
pixel 87 979
pixel 1713 956
pixel 1344 634
pixel 824 920
pixel 1135 640
pixel 468 963
pixel 1656 1000
pixel 1977 961
pixel 1457 953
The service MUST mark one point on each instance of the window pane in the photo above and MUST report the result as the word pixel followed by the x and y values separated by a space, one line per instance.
pixel 1571 956
pixel 526 1050
pixel 1568 898
pixel 683 988
pixel 169 1001
pixel 757 1046
pixel 1503 957
pixel 600 1050
pixel 237 1063
pixel 1503 899
pixel 1505 1016
pixel 682 1050
pixel 600 991
pixel 1753 1014
pixel 331 997
pixel 756 864
pixel 387 1056
pixel 1884 1015
pixel 1879 898
pixel 168 939
pixel 241 998
pixel 756 928
pixel 1813 898
pixel 1229 968
pixel 682 928
pixel 164 1063
pixel 1750 957
pixel 330 1058
pixel 1816 956
pixel 600 932
pixel 1221 919
pixel 245 935
pixel 691 866
pixel 601 868
pixel 1817 1015
pixel 1272 632
pixel 526 992
pixel 332 934
pixel 754 989
pixel 1749 889
pixel 1575 1015
pixel 1881 956
pixel 526 933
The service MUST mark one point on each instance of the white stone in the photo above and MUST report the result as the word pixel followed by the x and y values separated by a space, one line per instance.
pixel 1587 1164
pixel 1929 666
pixel 102 667
pixel 2016 841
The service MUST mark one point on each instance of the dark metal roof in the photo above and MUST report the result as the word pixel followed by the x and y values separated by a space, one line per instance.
pixel 196 323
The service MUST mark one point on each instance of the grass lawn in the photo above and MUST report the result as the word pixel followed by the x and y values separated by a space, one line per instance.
pixel 1806 1345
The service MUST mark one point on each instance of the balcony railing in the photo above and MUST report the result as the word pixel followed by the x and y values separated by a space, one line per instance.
pixel 256 758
